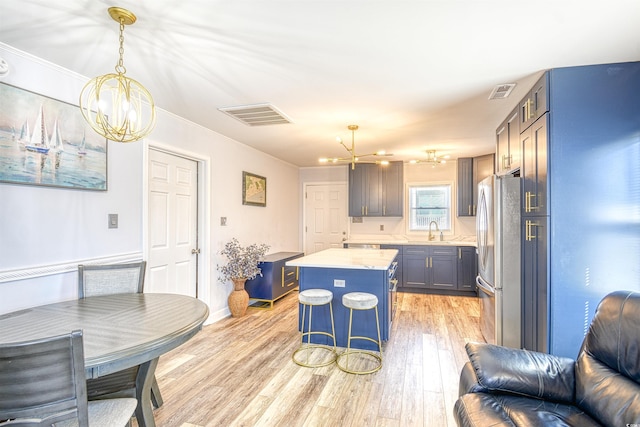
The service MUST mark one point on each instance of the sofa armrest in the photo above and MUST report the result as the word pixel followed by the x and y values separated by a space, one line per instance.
pixel 469 381
pixel 480 410
pixel 529 373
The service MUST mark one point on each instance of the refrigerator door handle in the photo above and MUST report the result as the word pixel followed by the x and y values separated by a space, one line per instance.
pixel 484 286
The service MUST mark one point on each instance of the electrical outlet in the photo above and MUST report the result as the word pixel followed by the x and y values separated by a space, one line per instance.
pixel 223 220
pixel 339 283
pixel 381 227
pixel 113 220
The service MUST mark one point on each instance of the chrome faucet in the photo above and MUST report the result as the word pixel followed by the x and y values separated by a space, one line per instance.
pixel 431 236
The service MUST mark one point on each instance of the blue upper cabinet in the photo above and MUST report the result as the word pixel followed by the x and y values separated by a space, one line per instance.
pixel 376 190
pixel 470 172
pixel 508 144
pixel 580 135
pixel 535 103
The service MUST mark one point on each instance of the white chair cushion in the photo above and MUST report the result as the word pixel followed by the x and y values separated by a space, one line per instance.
pixel 315 297
pixel 107 413
pixel 359 300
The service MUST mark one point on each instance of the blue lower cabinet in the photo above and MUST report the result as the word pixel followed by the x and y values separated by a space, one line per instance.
pixel 364 321
pixel 277 279
pixel 467 268
pixel 430 267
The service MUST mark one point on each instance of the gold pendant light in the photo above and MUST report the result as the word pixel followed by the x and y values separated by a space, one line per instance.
pixel 117 107
pixel 353 157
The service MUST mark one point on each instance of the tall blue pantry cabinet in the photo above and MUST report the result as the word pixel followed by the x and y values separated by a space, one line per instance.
pixel 580 140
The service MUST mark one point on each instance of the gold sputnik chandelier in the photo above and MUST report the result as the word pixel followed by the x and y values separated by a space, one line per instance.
pixel 431 159
pixel 353 157
pixel 116 106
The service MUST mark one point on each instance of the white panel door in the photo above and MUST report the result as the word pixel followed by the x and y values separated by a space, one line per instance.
pixel 173 220
pixel 326 216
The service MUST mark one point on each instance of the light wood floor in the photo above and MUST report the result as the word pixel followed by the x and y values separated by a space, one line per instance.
pixel 239 372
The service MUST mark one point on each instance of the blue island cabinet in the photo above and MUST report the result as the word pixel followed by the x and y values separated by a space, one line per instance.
pixel 355 280
pixel 277 279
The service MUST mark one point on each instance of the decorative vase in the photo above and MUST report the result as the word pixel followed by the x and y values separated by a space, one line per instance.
pixel 238 299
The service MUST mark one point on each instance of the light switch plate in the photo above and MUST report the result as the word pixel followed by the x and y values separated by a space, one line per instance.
pixel 339 283
pixel 113 220
pixel 223 220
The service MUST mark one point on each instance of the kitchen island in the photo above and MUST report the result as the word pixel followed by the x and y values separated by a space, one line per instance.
pixel 350 270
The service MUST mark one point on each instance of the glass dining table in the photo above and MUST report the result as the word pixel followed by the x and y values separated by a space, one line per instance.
pixel 119 332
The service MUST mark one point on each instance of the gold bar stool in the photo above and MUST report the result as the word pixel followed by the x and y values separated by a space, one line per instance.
pixel 311 298
pixel 373 361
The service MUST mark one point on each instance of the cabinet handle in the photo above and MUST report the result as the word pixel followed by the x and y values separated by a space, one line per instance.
pixel 282 275
pixel 459 253
pixel 366 210
pixel 469 209
pixel 529 236
pixel 384 210
pixel 474 210
pixel 362 210
pixel 426 262
pixel 528 207
pixel 527 110
pixel 430 262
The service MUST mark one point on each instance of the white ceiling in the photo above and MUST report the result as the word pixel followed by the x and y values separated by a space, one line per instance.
pixel 414 75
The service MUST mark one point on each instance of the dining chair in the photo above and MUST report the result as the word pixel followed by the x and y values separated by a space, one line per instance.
pixel 108 279
pixel 42 383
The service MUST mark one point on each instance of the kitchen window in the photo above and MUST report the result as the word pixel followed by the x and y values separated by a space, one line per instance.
pixel 429 202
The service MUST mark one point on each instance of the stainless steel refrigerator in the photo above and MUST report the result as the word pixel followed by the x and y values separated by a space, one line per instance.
pixel 499 279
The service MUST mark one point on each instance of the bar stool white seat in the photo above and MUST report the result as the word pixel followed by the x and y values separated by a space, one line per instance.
pixel 314 355
pixel 357 361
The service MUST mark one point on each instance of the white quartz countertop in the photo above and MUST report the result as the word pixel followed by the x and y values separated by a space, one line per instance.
pixel 364 259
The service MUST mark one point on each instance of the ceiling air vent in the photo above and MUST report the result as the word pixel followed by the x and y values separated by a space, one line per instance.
pixel 502 91
pixel 256 114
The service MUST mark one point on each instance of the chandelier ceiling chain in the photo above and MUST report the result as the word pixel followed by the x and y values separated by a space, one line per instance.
pixel 120 68
pixel 116 106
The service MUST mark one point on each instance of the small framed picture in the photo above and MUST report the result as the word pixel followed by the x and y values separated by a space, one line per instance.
pixel 254 189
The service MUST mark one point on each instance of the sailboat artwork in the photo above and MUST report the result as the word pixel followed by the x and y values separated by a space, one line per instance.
pixel 25 134
pixel 82 149
pixel 39 142
pixel 55 143
pixel 45 142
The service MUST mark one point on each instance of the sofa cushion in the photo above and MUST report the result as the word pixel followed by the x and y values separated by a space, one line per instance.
pixel 604 393
pixel 489 410
pixel 508 370
pixel 608 366
pixel 613 334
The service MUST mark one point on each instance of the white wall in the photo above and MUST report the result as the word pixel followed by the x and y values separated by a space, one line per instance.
pixel 46 232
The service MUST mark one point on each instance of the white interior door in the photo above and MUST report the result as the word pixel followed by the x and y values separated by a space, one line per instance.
pixel 173 222
pixel 326 218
